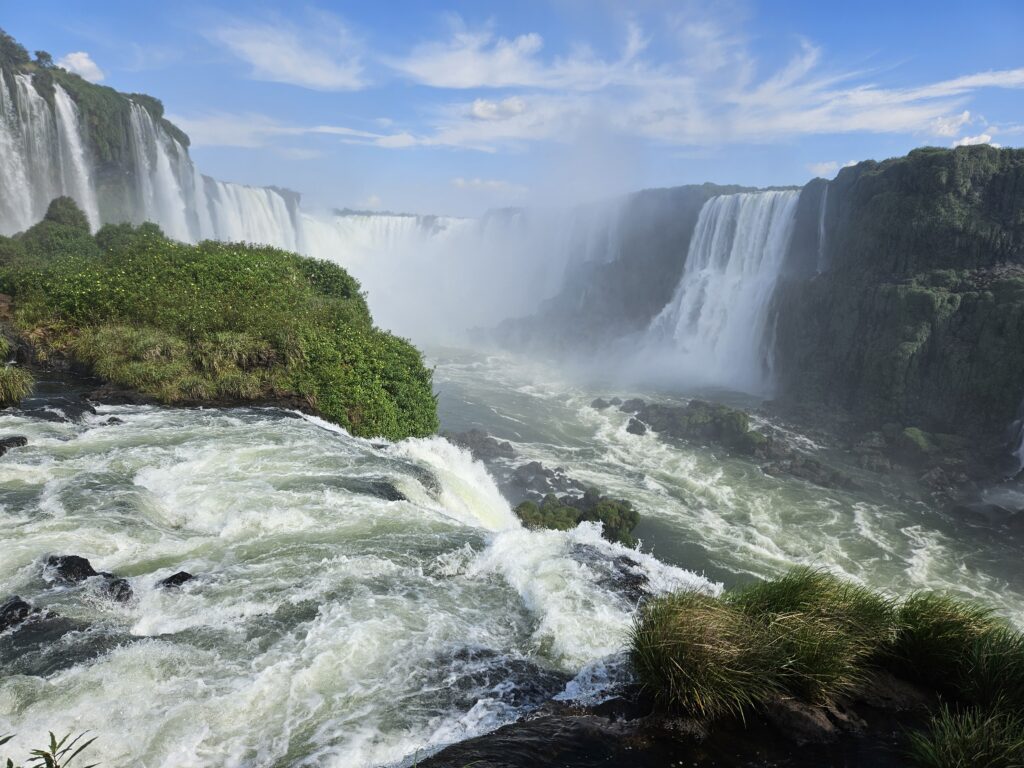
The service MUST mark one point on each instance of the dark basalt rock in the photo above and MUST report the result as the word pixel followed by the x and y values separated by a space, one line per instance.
pixel 176 580
pixel 809 469
pixel 13 612
pixel 536 480
pixel 113 420
pixel 115 588
pixel 481 445
pixel 15 441
pixel 636 427
pixel 633 405
pixel 60 409
pixel 600 404
pixel 70 569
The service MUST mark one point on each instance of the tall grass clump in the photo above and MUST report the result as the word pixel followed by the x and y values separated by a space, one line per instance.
pixel 825 630
pixel 972 738
pixel 212 322
pixel 698 654
pixel 935 634
pixel 15 384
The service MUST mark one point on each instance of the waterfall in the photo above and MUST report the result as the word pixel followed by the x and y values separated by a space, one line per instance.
pixel 821 230
pixel 712 331
pixel 76 178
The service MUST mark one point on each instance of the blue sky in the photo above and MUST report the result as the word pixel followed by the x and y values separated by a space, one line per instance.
pixel 457 107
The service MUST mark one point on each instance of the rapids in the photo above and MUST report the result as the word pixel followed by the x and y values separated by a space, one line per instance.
pixel 333 625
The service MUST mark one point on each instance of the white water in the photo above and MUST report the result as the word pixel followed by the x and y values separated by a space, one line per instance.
pixel 822 263
pixel 326 626
pixel 713 331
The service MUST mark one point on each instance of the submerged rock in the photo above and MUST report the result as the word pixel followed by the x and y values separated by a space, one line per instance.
pixel 534 479
pixel 810 469
pixel 13 612
pixel 14 441
pixel 176 580
pixel 600 404
pixel 481 445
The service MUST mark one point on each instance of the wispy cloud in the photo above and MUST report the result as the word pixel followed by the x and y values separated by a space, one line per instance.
pixel 223 129
pixel 499 186
pixel 81 64
pixel 322 54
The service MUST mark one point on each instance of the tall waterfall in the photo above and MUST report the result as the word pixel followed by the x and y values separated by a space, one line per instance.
pixel 714 330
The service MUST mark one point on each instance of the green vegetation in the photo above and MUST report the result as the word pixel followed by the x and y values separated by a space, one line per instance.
pixel 973 738
pixel 15 384
pixel 212 322
pixel 918 317
pixel 57 754
pixel 617 516
pixel 815 637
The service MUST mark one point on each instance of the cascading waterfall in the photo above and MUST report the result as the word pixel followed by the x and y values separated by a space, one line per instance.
pixel 713 329
pixel 821 231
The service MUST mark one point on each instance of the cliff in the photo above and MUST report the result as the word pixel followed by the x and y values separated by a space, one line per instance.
pixel 918 315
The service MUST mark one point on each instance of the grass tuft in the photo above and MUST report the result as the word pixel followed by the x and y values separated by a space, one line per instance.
pixel 15 384
pixel 973 738
pixel 698 654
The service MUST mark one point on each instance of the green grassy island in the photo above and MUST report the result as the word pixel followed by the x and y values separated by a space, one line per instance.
pixel 213 323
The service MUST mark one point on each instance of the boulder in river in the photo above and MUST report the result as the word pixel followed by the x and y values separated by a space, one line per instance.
pixel 14 441
pixel 481 445
pixel 12 612
pixel 72 569
pixel 176 580
pixel 636 427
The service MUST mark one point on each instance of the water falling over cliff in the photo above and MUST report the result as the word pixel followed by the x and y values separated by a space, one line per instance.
pixel 715 328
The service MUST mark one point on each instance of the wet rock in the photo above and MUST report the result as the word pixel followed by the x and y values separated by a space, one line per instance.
pixel 621 574
pixel 70 569
pixel 636 427
pixel 633 405
pixel 616 401
pixel 113 420
pixel 600 404
pixel 176 580
pixel 14 441
pixel 534 479
pixel 115 588
pixel 12 612
pixel 481 445
pixel 811 470
pixel 60 409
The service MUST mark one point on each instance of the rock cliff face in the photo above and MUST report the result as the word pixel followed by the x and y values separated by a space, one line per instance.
pixel 917 316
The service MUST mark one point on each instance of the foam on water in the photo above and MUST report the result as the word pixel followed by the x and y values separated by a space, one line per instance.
pixel 337 620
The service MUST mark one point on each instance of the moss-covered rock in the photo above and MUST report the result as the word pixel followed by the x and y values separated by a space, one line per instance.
pixel 618 518
pixel 701 421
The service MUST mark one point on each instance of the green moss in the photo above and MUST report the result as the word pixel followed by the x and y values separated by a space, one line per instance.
pixel 214 321
pixel 617 516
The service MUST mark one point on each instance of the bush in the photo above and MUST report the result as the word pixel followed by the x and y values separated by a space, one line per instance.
pixel 15 385
pixel 700 655
pixel 57 754
pixel 617 516
pixel 974 738
pixel 213 321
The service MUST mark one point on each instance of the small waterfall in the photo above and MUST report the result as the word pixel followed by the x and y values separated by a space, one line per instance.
pixel 822 263
pixel 713 329
pixel 76 179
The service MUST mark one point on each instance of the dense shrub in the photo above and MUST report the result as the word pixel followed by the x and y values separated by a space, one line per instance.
pixel 214 321
pixel 617 516
pixel 972 738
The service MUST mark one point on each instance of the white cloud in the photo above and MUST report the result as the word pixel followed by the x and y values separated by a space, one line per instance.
pixel 322 56
pixel 484 109
pixel 709 93
pixel 951 125
pixel 970 141
pixel 490 185
pixel 825 170
pixel 81 64
pixel 223 129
